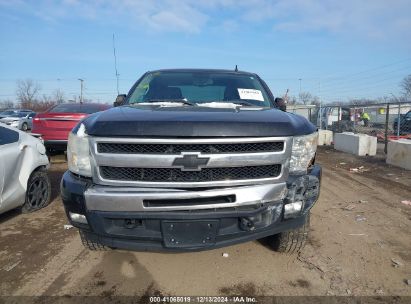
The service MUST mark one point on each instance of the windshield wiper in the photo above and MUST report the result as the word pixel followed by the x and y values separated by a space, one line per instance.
pixel 244 102
pixel 183 101
pixel 248 102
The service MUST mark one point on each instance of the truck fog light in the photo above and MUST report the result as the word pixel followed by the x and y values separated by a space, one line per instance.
pixel 79 218
pixel 292 209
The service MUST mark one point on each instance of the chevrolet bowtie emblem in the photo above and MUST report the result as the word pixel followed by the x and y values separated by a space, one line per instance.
pixel 190 162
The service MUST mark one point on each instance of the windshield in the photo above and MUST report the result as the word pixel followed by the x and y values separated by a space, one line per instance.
pixel 20 114
pixel 200 87
pixel 9 112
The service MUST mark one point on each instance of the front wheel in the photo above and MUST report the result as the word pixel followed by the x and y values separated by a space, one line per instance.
pixel 24 127
pixel 38 192
pixel 292 241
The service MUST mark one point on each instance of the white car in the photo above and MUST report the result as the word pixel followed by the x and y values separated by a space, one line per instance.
pixel 23 171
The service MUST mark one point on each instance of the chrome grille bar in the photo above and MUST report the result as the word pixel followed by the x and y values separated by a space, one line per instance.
pixel 223 161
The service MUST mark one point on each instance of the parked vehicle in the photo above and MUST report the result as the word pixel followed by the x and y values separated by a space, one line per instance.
pixel 22 120
pixel 55 124
pixel 405 123
pixel 10 112
pixel 192 160
pixel 23 171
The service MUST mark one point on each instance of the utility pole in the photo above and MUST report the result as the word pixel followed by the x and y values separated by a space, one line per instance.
pixel 299 94
pixel 81 89
pixel 115 63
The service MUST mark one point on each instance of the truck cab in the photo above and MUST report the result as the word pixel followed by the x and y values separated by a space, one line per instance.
pixel 192 159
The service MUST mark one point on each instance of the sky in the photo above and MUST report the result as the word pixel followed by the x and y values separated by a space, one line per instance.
pixel 337 50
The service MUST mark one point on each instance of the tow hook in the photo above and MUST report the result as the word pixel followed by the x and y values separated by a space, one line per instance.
pixel 246 224
pixel 132 223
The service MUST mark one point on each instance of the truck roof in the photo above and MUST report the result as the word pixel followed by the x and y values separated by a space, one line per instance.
pixel 205 71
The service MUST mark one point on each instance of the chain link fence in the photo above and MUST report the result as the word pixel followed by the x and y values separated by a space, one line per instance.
pixel 386 121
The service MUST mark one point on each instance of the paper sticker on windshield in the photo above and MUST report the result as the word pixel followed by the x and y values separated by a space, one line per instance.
pixel 251 94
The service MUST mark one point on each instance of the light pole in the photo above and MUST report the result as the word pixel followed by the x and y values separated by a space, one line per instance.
pixel 81 90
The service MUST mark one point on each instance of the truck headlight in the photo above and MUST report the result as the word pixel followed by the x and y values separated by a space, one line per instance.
pixel 78 152
pixel 303 151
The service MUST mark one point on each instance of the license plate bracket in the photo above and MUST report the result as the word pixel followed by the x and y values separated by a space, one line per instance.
pixel 183 234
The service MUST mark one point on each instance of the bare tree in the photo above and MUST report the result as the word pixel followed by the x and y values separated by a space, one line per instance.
pixel 46 99
pixel 315 101
pixel 292 100
pixel 406 86
pixel 27 92
pixel 7 103
pixel 305 97
pixel 58 96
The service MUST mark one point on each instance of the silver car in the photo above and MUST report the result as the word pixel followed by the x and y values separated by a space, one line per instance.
pixel 22 120
pixel 9 112
pixel 23 171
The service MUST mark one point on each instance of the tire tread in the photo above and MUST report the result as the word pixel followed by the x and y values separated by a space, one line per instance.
pixel 90 244
pixel 292 241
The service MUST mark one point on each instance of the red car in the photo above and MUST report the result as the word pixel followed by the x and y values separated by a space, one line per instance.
pixel 55 124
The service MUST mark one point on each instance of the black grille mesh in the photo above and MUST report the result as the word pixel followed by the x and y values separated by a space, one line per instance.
pixel 176 175
pixel 128 148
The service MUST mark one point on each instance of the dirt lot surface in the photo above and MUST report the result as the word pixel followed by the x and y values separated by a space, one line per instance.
pixel 360 244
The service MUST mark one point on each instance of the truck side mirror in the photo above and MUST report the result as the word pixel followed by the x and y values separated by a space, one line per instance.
pixel 120 100
pixel 281 104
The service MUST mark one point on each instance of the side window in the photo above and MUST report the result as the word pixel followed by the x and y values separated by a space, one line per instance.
pixel 32 115
pixel 8 136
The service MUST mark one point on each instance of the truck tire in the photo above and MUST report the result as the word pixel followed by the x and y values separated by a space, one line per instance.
pixel 38 192
pixel 91 244
pixel 292 241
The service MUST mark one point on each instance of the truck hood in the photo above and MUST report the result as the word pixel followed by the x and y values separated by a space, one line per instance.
pixel 188 121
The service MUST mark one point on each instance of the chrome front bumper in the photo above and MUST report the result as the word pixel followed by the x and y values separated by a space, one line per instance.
pixel 120 217
pixel 101 198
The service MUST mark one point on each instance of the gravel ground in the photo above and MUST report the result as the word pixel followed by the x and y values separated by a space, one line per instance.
pixel 359 245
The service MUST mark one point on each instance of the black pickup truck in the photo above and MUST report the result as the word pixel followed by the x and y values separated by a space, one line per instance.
pixel 192 159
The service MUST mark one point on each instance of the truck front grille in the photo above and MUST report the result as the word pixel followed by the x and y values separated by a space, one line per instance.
pixel 216 148
pixel 190 162
pixel 176 175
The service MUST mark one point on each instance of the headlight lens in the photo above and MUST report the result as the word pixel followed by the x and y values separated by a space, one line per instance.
pixel 78 152
pixel 303 151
